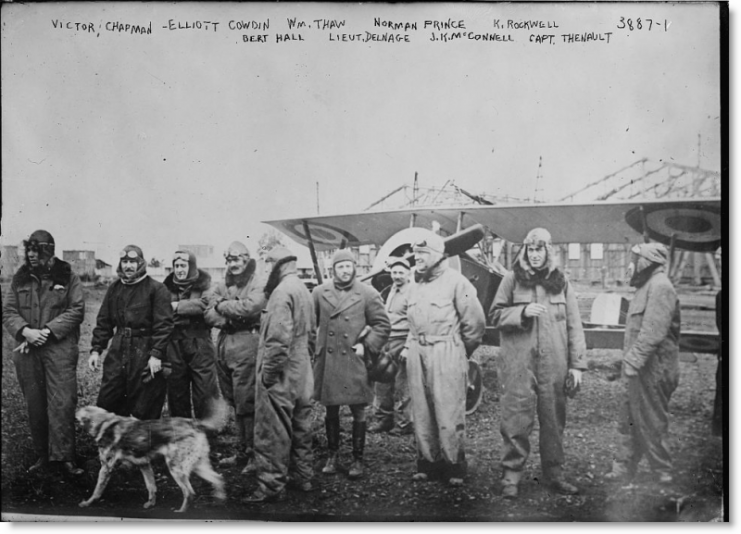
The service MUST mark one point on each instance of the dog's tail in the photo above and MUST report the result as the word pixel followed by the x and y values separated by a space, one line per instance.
pixel 217 415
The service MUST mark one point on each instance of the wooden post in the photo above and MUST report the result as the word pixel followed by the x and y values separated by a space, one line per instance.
pixel 644 225
pixel 697 267
pixel 677 278
pixel 672 246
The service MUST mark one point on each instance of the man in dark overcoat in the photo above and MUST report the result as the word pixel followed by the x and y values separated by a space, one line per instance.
pixel 353 326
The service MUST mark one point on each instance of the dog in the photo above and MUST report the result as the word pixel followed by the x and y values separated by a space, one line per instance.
pixel 182 442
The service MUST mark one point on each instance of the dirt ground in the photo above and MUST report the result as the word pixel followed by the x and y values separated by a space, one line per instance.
pixel 387 493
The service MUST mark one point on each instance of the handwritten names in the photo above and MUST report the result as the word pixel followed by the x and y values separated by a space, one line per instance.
pixel 378 29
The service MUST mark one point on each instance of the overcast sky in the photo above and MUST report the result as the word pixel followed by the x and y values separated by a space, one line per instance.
pixel 193 136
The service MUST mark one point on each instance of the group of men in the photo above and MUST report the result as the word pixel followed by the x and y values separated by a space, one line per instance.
pixel 279 347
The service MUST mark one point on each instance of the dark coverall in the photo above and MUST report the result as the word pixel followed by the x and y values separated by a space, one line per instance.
pixel 652 348
pixel 191 351
pixel 141 315
pixel 241 300
pixel 535 356
pixel 48 374
pixel 283 408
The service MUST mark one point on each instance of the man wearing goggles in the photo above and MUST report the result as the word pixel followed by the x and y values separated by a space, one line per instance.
pixel 136 318
pixel 650 366
pixel 446 325
pixel 235 308
pixel 542 343
pixel 191 351
pixel 42 311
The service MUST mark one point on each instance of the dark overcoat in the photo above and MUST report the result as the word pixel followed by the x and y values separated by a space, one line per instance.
pixel 340 375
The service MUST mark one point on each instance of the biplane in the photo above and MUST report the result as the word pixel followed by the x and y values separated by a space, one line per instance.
pixel 692 224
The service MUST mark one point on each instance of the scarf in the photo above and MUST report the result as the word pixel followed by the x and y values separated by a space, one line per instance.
pixel 639 278
pixel 345 286
pixel 240 280
pixel 139 275
pixel 552 280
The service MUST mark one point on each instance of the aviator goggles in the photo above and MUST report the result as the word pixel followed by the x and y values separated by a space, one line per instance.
pixel 179 255
pixel 130 254
pixel 35 246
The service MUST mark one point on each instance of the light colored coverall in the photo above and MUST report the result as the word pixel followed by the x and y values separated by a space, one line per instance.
pixel 535 356
pixel 446 324
pixel 48 374
pixel 652 348
pixel 284 386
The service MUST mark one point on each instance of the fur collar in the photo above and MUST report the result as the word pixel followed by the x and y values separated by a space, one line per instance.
pixel 553 282
pixel 202 283
pixel 640 278
pixel 60 274
pixel 278 273
pixel 242 279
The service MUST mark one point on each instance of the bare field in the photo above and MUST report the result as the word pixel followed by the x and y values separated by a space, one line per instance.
pixel 387 492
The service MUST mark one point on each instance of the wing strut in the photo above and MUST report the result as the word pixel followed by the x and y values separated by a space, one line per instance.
pixel 644 225
pixel 318 273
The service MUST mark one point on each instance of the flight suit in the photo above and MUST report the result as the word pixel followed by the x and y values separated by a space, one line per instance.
pixel 48 374
pixel 535 356
pixel 652 348
pixel 446 325
pixel 283 439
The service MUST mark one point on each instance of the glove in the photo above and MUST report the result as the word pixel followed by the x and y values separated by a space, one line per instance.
pixel 147 375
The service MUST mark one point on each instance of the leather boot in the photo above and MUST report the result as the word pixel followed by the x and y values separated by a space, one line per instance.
pixel 556 482
pixel 358 446
pixel 333 444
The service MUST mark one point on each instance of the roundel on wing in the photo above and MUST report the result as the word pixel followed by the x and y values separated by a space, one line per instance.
pixel 324 234
pixel 695 228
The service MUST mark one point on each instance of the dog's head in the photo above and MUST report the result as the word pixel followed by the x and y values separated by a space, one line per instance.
pixel 94 419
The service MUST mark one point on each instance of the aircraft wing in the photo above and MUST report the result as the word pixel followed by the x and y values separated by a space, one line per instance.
pixel 695 224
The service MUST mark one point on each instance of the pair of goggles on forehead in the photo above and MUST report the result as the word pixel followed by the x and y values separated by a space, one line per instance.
pixel 181 256
pixel 36 245
pixel 131 254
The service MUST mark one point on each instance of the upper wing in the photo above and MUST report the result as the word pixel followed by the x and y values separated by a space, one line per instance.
pixel 695 224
